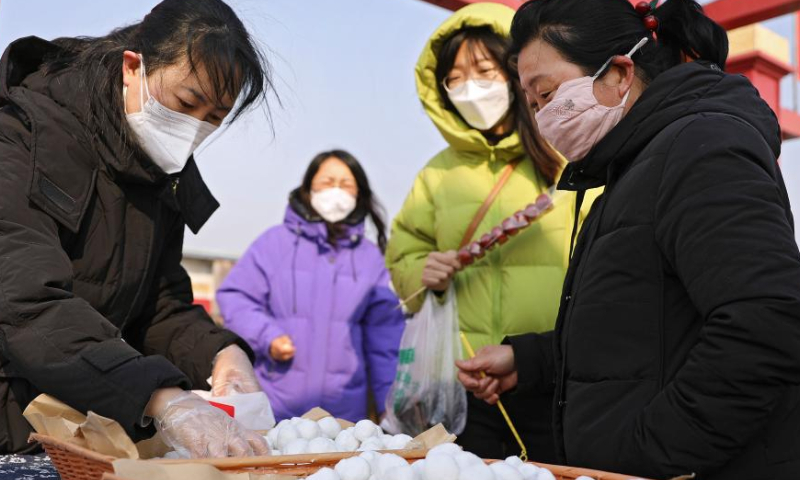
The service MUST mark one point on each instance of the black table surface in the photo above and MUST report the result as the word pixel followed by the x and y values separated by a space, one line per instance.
pixel 23 467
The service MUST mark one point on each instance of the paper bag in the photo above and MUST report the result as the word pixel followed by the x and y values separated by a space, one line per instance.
pixel 49 416
pixel 106 436
pixel 432 437
pixel 54 418
pixel 318 413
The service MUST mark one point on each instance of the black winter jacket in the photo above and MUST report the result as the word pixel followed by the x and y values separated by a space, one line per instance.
pixel 677 345
pixel 95 308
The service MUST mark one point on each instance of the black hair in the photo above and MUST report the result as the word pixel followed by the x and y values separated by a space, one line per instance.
pixel 206 33
pixel 588 32
pixel 545 161
pixel 367 203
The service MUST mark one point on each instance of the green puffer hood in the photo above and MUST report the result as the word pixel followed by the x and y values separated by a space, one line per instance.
pixel 458 134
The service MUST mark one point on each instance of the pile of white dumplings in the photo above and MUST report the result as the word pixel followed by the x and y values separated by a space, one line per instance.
pixel 444 462
pixel 300 435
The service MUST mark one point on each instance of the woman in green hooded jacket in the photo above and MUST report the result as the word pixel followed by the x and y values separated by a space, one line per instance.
pixel 477 105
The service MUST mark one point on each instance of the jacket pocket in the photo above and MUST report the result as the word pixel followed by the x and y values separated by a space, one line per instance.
pixel 108 355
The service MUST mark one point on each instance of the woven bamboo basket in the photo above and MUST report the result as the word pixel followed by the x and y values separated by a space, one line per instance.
pixel 77 463
pixel 571 473
pixel 74 462
pixel 297 465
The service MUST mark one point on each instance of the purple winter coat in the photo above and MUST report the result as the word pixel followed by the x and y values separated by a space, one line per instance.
pixel 336 306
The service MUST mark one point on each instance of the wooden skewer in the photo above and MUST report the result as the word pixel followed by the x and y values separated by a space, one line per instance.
pixel 414 295
pixel 523 455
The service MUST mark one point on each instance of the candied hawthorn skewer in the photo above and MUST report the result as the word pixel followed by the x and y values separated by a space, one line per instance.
pixel 498 235
pixel 508 228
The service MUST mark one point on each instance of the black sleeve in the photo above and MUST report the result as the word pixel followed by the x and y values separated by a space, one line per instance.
pixel 533 357
pixel 723 224
pixel 50 337
pixel 180 331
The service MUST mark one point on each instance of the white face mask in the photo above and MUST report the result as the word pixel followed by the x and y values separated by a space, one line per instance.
pixel 167 136
pixel 482 106
pixel 333 204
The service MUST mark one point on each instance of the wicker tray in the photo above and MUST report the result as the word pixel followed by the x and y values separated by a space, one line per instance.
pixel 571 473
pixel 78 463
pixel 74 462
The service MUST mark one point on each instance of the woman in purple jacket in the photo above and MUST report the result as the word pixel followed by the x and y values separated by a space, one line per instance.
pixel 312 297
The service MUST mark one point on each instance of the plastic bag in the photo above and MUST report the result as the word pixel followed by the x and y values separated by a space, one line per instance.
pixel 426 390
pixel 252 410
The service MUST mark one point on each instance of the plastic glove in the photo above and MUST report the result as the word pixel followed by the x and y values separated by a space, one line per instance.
pixel 233 373
pixel 196 429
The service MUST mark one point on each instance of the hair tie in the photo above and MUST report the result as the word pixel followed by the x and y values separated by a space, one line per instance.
pixel 645 10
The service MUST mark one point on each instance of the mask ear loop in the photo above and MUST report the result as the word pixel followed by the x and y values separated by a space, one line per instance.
pixel 636 47
pixel 608 62
pixel 144 83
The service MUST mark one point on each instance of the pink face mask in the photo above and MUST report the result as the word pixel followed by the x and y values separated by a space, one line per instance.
pixel 574 121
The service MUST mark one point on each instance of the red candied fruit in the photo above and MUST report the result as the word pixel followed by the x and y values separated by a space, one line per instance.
pixel 521 220
pixel 485 241
pixel 465 258
pixel 544 202
pixel 476 251
pixel 499 236
pixel 531 212
pixel 510 227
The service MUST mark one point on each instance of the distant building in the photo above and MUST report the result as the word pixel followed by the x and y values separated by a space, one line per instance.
pixel 207 271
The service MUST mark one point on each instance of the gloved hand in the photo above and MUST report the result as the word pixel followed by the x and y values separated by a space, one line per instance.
pixel 196 429
pixel 233 373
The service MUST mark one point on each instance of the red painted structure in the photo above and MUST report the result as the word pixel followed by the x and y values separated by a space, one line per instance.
pixel 456 4
pixel 764 71
pixel 738 13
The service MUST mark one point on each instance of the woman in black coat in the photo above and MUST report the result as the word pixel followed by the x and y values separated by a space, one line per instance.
pixel 677 345
pixel 97 184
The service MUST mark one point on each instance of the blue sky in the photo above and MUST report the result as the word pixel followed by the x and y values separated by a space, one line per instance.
pixel 344 72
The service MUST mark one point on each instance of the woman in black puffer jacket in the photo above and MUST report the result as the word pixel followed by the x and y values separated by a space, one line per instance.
pixel 97 185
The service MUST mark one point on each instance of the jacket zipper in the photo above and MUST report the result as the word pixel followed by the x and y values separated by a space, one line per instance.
pixel 568 300
pixel 334 254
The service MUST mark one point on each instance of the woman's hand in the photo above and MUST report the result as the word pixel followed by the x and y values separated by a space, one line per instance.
pixel 196 429
pixel 282 349
pixel 439 270
pixel 233 373
pixel 497 362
